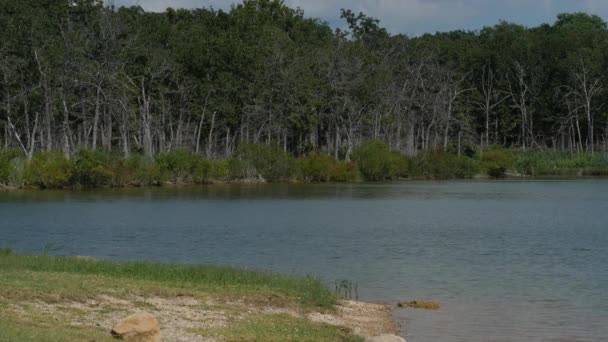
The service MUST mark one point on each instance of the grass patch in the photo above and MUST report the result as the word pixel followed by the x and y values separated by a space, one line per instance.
pixel 63 275
pixel 279 328
pixel 43 328
pixel 548 163
pixel 28 283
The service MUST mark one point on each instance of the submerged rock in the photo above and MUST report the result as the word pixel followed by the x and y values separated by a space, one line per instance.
pixel 385 338
pixel 420 304
pixel 140 327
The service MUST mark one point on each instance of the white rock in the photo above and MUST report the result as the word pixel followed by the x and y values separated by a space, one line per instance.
pixel 385 338
pixel 140 327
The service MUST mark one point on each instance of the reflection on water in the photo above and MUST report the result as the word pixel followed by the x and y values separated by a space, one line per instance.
pixel 509 261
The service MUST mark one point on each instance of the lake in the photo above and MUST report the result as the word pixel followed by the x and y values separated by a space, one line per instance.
pixel 508 260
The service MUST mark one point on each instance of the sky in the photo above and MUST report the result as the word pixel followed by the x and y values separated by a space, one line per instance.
pixel 415 17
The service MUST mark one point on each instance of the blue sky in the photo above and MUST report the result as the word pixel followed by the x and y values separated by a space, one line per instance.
pixel 415 17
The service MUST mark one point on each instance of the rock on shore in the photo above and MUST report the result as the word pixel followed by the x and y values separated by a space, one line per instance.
pixel 140 327
pixel 385 338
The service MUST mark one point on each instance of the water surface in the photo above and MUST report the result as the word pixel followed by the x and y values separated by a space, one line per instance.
pixel 509 261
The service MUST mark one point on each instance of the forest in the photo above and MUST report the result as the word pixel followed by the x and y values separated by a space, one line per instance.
pixel 82 78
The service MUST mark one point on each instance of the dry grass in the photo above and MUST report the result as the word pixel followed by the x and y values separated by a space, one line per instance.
pixel 71 299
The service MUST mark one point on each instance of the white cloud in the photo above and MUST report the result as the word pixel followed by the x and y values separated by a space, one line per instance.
pixel 417 16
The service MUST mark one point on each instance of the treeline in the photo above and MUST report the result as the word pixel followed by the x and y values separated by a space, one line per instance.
pixel 78 75
pixel 372 161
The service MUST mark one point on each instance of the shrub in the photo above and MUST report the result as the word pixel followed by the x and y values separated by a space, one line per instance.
pixel 124 172
pixel 442 165
pixel 184 166
pixel 147 171
pixel 11 167
pixel 174 166
pixel 92 169
pixel 344 172
pixel 378 163
pixel 266 161
pixel 239 169
pixel 219 169
pixel 316 167
pixel 200 168
pixel 496 161
pixel 48 170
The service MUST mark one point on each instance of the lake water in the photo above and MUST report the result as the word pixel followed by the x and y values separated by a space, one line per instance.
pixel 509 261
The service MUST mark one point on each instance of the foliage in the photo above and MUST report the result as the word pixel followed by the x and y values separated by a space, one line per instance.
pixel 183 166
pixel 442 165
pixel 320 167
pixel 553 163
pixel 378 163
pixel 147 171
pixel 374 162
pixel 124 172
pixel 218 169
pixel 316 167
pixel 48 170
pixel 344 172
pixel 92 169
pixel 262 161
pixel 496 161
pixel 86 75
pixel 11 167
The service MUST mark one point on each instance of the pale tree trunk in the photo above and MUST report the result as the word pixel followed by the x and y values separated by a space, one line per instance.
pixel 146 121
pixel 65 127
pixel 96 116
pixel 200 124
pixel 210 137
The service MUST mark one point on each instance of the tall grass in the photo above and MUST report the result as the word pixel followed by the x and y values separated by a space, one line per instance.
pixel 552 163
pixel 307 290
pixel 441 165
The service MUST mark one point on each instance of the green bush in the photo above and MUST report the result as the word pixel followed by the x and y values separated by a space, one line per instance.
pixel 266 161
pixel 378 163
pixel 184 166
pixel 124 172
pixel 92 169
pixel 320 167
pixel 496 161
pixel 316 167
pixel 238 169
pixel 219 169
pixel 175 166
pixel 344 172
pixel 48 170
pixel 200 169
pixel 11 167
pixel 442 165
pixel 146 170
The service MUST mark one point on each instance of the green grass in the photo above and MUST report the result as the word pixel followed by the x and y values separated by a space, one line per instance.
pixel 548 163
pixel 45 329
pixel 279 328
pixel 305 291
pixel 26 280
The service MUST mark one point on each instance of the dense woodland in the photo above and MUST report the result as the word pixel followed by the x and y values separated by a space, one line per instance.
pixel 76 74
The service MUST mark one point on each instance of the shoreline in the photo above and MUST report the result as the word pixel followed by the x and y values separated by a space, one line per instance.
pixel 70 297
pixel 173 185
